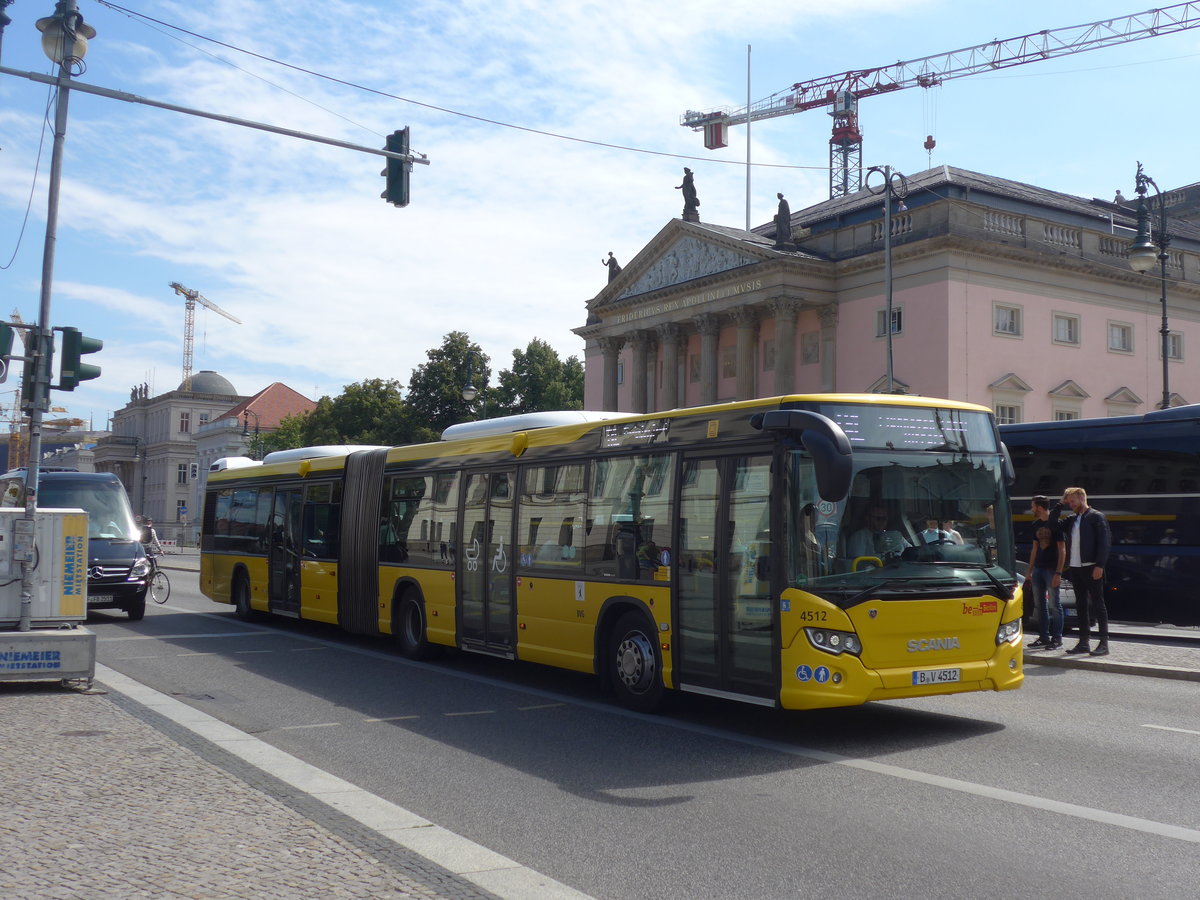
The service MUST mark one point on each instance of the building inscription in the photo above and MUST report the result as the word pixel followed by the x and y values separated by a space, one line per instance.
pixel 668 306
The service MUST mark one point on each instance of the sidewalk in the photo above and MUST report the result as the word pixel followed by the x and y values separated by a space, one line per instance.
pixel 1157 651
pixel 123 792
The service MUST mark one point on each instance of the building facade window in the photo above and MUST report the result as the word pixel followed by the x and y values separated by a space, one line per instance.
pixel 1006 320
pixel 1174 346
pixel 203 419
pixel 620 371
pixel 1007 413
pixel 181 475
pixel 1120 337
pixel 1065 415
pixel 185 423
pixel 897 321
pixel 180 510
pixel 1066 329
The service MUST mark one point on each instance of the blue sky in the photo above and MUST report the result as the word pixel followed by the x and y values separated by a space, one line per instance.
pixel 507 228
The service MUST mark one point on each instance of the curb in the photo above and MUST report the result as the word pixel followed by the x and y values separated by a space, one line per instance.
pixel 1121 668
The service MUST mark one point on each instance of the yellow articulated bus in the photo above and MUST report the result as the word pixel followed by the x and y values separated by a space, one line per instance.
pixel 803 551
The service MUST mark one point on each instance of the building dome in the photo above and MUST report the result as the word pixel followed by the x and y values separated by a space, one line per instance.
pixel 209 382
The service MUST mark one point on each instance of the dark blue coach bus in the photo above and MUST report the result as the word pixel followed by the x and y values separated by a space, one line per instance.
pixel 1143 472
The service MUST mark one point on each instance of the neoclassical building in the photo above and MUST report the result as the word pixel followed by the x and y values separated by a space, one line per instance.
pixel 1004 294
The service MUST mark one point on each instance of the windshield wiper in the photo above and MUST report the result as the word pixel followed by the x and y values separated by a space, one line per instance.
pixel 1004 590
pixel 877 586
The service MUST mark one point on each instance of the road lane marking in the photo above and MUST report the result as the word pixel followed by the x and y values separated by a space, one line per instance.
pixel 540 706
pixel 392 719
pixel 1169 728
pixel 299 727
pixel 175 637
pixel 478 712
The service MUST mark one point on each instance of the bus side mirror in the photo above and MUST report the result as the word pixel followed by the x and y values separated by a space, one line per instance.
pixel 1006 466
pixel 824 439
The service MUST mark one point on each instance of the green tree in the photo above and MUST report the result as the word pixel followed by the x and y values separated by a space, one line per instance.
pixel 366 412
pixel 539 380
pixel 435 389
pixel 289 434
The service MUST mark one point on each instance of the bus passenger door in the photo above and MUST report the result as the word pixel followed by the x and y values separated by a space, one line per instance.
pixel 283 553
pixel 486 563
pixel 725 621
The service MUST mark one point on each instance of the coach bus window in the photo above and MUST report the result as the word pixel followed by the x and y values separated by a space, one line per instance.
pixel 629 534
pixel 416 521
pixel 551 516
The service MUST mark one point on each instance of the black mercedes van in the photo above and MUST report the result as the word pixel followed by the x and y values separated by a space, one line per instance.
pixel 117 566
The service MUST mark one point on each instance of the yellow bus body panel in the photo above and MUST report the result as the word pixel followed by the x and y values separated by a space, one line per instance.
pixel 319 590
pixel 899 637
pixel 437 589
pixel 557 618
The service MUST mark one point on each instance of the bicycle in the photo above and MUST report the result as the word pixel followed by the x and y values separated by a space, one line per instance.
pixel 159 584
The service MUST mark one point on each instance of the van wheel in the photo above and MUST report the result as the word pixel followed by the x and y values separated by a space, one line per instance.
pixel 410 628
pixel 137 609
pixel 634 663
pixel 241 599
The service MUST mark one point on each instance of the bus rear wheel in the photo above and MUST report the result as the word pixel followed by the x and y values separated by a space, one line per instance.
pixel 241 599
pixel 634 663
pixel 410 628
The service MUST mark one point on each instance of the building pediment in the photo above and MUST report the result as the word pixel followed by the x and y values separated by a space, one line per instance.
pixel 1124 395
pixel 683 252
pixel 1069 390
pixel 1010 382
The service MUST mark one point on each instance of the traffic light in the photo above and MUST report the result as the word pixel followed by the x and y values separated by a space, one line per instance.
pixel 6 344
pixel 70 370
pixel 397 170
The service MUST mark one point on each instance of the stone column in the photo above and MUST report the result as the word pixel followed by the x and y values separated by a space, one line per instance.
pixel 611 348
pixel 829 319
pixel 709 326
pixel 668 339
pixel 746 319
pixel 785 311
pixel 641 342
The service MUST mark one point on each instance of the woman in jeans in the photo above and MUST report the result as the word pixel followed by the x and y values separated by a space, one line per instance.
pixel 1045 573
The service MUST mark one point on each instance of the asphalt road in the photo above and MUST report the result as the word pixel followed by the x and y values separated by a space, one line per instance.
pixel 1080 784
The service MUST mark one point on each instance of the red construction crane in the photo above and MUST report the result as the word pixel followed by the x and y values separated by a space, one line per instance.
pixel 842 92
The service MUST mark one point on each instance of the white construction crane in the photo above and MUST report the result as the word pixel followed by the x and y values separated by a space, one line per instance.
pixel 189 325
pixel 842 92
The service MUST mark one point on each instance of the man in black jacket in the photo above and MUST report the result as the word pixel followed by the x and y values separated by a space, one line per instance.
pixel 1088 542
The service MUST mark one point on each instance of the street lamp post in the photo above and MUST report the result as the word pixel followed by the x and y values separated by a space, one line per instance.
pixel 256 447
pixel 894 187
pixel 469 391
pixel 1151 244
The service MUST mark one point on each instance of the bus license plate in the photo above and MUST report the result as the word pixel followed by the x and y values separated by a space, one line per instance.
pixel 100 598
pixel 937 676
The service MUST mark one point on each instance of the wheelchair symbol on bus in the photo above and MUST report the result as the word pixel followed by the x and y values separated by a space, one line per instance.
pixel 500 560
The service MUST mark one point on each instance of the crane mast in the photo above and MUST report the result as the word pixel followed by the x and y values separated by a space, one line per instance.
pixel 191 298
pixel 843 91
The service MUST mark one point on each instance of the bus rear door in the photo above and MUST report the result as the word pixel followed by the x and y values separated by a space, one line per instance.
pixel 486 564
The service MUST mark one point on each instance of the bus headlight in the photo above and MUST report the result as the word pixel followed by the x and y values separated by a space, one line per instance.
pixel 835 642
pixel 1009 631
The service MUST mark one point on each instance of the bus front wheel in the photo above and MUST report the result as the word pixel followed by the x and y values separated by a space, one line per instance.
pixel 634 663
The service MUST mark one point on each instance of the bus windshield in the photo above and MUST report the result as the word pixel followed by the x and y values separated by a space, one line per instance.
pixel 913 523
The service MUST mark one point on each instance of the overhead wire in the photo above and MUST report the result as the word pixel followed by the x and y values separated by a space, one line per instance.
pixel 50 94
pixel 430 106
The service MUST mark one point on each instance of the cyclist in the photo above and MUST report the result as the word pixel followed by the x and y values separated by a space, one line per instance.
pixel 149 537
